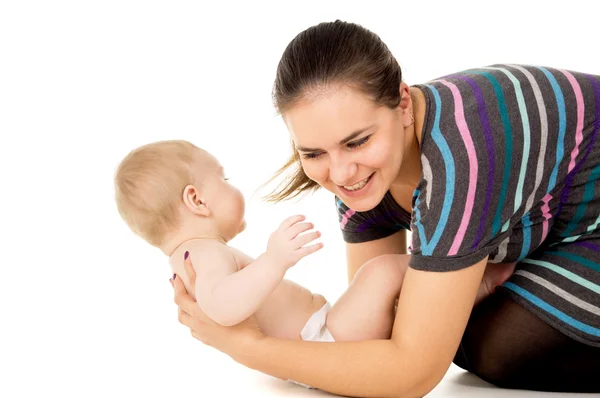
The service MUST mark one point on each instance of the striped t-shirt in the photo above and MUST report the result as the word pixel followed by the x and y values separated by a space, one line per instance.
pixel 510 169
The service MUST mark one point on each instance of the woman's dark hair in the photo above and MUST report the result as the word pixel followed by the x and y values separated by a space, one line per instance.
pixel 331 53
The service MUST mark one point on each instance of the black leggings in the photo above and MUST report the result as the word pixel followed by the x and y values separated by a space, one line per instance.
pixel 508 346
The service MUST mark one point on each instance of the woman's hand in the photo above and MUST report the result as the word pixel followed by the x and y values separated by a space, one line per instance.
pixel 233 341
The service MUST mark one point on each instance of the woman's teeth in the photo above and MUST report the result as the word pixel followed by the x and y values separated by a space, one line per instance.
pixel 358 185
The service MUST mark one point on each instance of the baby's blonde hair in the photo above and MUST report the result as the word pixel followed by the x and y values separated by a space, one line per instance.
pixel 149 184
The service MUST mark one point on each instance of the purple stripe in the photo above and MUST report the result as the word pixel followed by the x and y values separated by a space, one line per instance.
pixel 489 143
pixel 589 245
pixel 564 195
pixel 381 219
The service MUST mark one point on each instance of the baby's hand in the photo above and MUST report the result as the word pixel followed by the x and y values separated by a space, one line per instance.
pixel 286 245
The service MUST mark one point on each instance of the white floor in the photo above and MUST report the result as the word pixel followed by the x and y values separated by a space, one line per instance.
pixel 457 383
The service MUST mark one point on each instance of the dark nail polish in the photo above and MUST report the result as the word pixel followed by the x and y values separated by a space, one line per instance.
pixel 174 276
pixel 185 256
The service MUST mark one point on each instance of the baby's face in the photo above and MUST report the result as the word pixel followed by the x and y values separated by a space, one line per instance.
pixel 224 200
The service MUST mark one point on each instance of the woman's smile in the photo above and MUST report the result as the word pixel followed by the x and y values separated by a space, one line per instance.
pixel 358 189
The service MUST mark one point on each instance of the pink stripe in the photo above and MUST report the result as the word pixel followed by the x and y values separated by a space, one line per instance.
pixel 461 123
pixel 345 217
pixel 580 112
pixel 546 214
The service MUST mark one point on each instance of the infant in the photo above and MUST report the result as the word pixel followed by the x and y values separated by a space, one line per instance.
pixel 176 197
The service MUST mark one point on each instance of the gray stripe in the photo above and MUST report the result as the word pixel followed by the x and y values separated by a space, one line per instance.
pixel 502 251
pixel 543 134
pixel 560 292
pixel 427 176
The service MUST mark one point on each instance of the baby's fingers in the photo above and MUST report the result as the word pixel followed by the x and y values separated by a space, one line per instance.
pixel 306 238
pixel 288 222
pixel 306 250
pixel 297 229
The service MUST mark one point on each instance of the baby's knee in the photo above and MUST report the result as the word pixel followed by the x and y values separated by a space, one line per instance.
pixel 387 268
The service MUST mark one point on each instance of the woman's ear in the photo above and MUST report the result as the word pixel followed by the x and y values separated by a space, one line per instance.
pixel 194 202
pixel 406 105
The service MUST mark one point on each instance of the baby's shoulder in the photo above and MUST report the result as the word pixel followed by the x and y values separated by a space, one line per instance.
pixel 241 258
pixel 207 253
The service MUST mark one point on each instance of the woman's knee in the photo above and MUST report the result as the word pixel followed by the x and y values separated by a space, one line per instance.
pixel 498 344
pixel 485 357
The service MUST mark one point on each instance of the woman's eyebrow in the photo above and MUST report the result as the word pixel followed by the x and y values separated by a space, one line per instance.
pixel 342 142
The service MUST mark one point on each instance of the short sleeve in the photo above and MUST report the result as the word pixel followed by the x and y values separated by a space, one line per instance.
pixel 384 220
pixel 461 212
pixel 443 239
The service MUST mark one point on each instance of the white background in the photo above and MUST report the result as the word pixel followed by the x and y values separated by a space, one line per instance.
pixel 86 306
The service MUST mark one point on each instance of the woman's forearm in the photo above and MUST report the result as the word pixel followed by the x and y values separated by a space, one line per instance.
pixel 375 368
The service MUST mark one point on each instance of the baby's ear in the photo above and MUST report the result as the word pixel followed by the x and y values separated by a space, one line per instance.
pixel 194 201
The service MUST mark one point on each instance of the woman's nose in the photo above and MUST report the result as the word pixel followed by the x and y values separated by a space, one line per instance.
pixel 341 171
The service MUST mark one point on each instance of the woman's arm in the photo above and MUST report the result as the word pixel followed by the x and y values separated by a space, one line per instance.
pixel 432 314
pixel 433 311
pixel 359 253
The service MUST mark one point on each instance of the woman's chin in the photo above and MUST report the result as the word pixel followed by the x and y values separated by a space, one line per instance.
pixel 368 197
pixel 366 203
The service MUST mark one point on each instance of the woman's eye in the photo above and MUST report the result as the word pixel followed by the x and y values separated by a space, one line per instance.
pixel 311 155
pixel 356 144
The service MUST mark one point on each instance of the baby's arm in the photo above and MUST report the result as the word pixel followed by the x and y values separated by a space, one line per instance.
pixel 229 296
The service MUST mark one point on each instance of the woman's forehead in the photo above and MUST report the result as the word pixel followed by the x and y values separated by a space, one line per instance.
pixel 328 120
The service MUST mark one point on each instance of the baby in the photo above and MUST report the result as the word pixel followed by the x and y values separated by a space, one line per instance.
pixel 176 197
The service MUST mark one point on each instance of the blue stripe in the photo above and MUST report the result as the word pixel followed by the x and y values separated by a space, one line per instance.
pixel 427 248
pixel 420 230
pixel 526 136
pixel 588 196
pixel 508 149
pixel 562 124
pixel 526 237
pixel 553 311
pixel 581 260
pixel 567 274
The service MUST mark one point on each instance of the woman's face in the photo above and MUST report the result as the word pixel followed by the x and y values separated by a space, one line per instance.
pixel 348 144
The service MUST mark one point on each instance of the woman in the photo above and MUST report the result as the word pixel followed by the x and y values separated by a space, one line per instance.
pixel 495 164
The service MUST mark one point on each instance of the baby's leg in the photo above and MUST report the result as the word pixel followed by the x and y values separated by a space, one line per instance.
pixel 366 310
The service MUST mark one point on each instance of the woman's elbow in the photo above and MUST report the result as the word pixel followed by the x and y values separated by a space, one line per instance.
pixel 420 379
pixel 425 387
pixel 426 382
pixel 415 388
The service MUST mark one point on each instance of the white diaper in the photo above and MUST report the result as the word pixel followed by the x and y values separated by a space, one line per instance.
pixel 316 330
